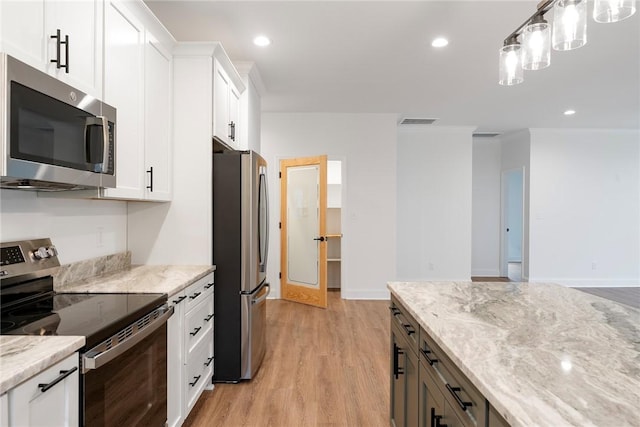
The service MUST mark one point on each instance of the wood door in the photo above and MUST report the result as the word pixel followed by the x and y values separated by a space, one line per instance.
pixel 303 242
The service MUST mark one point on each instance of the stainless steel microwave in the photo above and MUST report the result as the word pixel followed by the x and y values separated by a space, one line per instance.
pixel 54 137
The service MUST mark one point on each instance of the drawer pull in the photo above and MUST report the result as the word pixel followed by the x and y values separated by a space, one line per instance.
pixel 195 331
pixel 436 418
pixel 397 370
pixel 208 286
pixel 179 300
pixel 394 310
pixel 195 381
pixel 408 329
pixel 453 391
pixel 426 354
pixel 209 317
pixel 208 362
pixel 63 375
pixel 196 295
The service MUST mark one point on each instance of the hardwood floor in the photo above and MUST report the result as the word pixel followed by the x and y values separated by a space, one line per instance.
pixel 322 368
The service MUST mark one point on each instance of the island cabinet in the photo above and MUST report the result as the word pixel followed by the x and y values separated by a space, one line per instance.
pixel 427 389
pixel 190 350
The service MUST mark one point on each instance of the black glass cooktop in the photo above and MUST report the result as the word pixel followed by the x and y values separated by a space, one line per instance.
pixel 94 316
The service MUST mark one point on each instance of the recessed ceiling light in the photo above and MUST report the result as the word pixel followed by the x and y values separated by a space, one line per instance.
pixel 439 42
pixel 569 112
pixel 262 41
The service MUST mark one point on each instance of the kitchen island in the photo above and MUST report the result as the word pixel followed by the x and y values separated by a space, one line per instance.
pixel 541 354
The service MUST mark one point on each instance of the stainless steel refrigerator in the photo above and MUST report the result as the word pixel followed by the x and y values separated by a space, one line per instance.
pixel 240 245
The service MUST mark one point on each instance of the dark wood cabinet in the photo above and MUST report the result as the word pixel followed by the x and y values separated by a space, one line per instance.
pixel 404 369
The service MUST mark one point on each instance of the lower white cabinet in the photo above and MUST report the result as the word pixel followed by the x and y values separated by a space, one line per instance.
pixel 50 398
pixel 4 410
pixel 190 349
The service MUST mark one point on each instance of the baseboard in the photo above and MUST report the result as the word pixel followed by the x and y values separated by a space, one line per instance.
pixel 366 294
pixel 485 272
pixel 589 283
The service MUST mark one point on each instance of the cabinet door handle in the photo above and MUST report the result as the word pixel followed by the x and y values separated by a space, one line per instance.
pixel 196 295
pixel 453 391
pixel 150 172
pixel 195 331
pixel 208 362
pixel 59 43
pixel 195 381
pixel 426 354
pixel 395 311
pixel 408 329
pixel 208 286
pixel 397 370
pixel 209 317
pixel 63 375
pixel 179 300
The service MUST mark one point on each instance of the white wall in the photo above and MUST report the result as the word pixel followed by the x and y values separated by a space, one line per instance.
pixel 434 203
pixel 585 207
pixel 515 149
pixel 514 215
pixel 80 229
pixel 485 229
pixel 366 144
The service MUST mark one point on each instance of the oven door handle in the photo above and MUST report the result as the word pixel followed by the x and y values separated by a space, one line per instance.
pixel 90 362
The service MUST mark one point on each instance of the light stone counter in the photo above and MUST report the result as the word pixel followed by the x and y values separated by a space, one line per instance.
pixel 163 279
pixel 542 354
pixel 22 357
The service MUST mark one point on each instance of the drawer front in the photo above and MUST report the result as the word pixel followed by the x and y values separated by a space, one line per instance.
pixel 199 291
pixel 199 323
pixel 464 399
pixel 400 316
pixel 199 370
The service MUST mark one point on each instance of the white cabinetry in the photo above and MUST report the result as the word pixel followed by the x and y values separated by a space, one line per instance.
pixel 190 349
pixel 4 410
pixel 138 84
pixel 50 398
pixel 62 38
pixel 227 90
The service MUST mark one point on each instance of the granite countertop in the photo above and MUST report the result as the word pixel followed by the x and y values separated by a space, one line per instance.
pixel 162 279
pixel 541 354
pixel 22 357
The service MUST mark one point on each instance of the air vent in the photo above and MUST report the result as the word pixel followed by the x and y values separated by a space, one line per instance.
pixel 485 134
pixel 415 121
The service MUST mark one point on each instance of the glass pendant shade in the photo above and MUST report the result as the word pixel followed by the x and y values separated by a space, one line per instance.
pixel 536 41
pixel 511 65
pixel 569 24
pixel 606 11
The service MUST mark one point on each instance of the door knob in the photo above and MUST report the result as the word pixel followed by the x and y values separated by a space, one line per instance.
pixel 321 238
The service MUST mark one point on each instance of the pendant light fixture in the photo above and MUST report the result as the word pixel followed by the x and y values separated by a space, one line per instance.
pixel 569 24
pixel 511 63
pixel 568 32
pixel 605 11
pixel 536 39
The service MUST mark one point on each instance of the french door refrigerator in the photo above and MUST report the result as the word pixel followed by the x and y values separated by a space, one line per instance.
pixel 240 245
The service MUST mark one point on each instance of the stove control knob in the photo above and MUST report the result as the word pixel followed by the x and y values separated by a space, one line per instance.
pixel 52 251
pixel 41 253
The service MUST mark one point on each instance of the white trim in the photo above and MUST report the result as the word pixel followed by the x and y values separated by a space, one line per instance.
pixel 590 283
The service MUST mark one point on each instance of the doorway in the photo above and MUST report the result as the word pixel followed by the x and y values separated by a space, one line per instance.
pixel 334 225
pixel 512 224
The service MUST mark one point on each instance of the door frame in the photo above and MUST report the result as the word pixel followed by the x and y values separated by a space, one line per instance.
pixel 504 259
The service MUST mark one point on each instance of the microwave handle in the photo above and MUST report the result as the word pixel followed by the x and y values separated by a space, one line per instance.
pixel 98 121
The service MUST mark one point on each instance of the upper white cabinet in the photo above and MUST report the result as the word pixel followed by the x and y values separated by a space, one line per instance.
pixel 227 91
pixel 250 107
pixel 60 37
pixel 138 82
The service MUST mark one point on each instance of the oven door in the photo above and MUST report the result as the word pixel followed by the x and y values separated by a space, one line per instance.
pixel 128 387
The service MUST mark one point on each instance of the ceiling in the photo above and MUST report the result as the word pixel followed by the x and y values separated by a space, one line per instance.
pixel 376 57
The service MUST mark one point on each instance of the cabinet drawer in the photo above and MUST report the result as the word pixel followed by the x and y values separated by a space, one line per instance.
pixel 457 389
pixel 199 291
pixel 198 323
pixel 401 317
pixel 199 370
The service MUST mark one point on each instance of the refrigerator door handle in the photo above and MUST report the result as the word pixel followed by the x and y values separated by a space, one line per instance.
pixel 263 297
pixel 263 182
